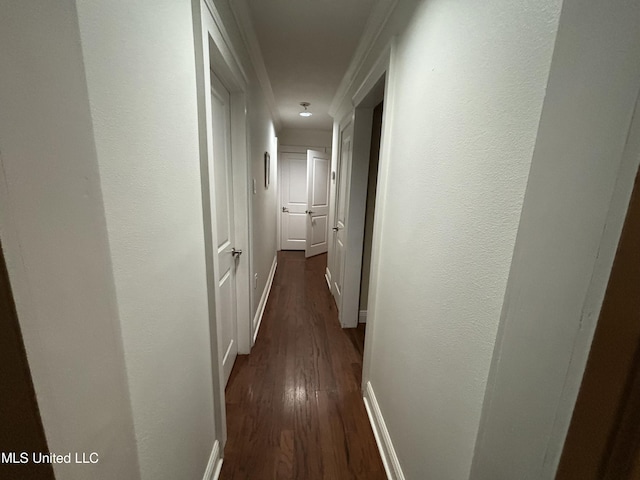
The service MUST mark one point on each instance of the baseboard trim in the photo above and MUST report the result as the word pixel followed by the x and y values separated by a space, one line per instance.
pixel 257 320
pixel 327 277
pixel 362 316
pixel 380 432
pixel 214 465
pixel 226 355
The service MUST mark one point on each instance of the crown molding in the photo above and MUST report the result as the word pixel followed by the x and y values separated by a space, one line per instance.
pixel 242 14
pixel 375 23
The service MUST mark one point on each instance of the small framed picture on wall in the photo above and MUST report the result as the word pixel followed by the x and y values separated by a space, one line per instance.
pixel 267 169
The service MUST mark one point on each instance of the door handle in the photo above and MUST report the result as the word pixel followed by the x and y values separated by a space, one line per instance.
pixel 308 212
pixel 236 253
pixel 285 209
pixel 335 229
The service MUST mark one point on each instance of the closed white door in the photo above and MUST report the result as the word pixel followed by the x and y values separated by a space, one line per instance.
pixel 339 230
pixel 227 258
pixel 318 171
pixel 293 188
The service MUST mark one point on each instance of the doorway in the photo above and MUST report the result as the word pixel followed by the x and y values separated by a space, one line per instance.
pixel 304 197
pixel 348 271
pixel 372 183
pixel 603 442
pixel 22 429
pixel 222 87
pixel 222 216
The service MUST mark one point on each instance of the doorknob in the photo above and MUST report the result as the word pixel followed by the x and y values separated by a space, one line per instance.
pixel 285 209
pixel 236 253
pixel 309 212
pixel 335 229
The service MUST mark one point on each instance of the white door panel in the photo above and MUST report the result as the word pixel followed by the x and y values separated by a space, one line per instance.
pixel 298 180
pixel 318 168
pixel 222 180
pixel 296 224
pixel 339 229
pixel 319 231
pixel 293 178
pixel 320 185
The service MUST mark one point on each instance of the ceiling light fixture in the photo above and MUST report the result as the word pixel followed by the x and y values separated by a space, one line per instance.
pixel 306 113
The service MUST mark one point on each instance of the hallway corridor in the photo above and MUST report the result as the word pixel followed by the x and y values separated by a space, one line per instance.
pixel 294 406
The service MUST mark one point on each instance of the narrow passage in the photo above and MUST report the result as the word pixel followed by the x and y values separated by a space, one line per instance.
pixel 294 406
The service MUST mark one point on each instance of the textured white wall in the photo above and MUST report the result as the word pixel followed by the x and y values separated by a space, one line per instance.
pixel 52 224
pixel 265 201
pixel 466 89
pixel 577 194
pixel 141 79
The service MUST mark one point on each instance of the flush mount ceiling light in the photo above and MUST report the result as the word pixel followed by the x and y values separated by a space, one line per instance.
pixel 306 113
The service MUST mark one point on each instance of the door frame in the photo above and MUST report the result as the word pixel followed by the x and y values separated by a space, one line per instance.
pixel 283 149
pixel 370 93
pixel 599 446
pixel 214 51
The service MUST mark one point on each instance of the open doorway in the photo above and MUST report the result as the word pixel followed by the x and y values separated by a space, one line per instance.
pixel 304 185
pixel 603 442
pixel 356 169
pixel 372 182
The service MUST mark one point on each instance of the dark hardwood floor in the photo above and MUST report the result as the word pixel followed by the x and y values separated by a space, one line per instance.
pixel 294 406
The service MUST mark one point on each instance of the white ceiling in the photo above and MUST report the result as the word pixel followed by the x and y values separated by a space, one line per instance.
pixel 307 46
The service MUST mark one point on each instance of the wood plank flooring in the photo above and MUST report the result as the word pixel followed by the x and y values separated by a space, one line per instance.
pixel 294 406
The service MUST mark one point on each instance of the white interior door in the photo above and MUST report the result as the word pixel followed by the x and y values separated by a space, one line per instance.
pixel 318 171
pixel 293 188
pixel 222 183
pixel 339 230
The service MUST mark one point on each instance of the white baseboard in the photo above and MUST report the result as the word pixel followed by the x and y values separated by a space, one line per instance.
pixel 327 277
pixel 387 452
pixel 362 316
pixel 215 463
pixel 257 320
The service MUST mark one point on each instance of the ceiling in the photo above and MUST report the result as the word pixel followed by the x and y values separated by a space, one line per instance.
pixel 306 46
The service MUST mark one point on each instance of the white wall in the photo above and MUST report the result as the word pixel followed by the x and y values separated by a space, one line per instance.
pixel 101 221
pixel 578 192
pixel 52 225
pixel 140 65
pixel 464 97
pixel 265 201
pixel 305 137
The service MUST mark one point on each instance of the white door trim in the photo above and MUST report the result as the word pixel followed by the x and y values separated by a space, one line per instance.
pixel 229 69
pixel 355 216
pixel 373 89
pixel 216 51
pixel 385 66
pixel 370 92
